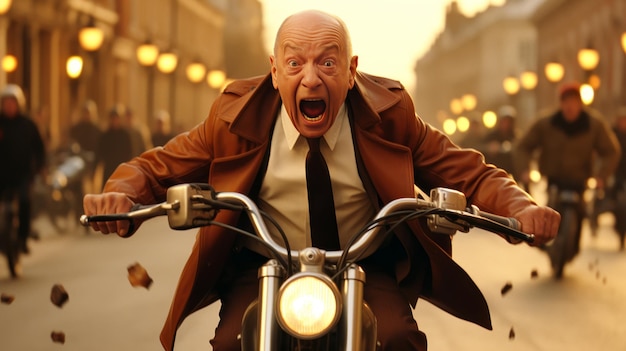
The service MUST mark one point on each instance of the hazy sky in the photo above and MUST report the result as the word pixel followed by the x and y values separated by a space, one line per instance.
pixel 387 35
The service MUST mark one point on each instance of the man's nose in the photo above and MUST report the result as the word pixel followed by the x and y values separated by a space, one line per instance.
pixel 311 78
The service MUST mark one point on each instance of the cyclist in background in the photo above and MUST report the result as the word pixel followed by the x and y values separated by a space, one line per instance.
pixel 568 142
pixel 22 155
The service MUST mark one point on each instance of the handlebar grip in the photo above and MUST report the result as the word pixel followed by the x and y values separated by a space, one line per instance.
pixel 507 221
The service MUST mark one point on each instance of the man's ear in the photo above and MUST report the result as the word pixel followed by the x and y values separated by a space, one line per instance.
pixel 273 71
pixel 354 63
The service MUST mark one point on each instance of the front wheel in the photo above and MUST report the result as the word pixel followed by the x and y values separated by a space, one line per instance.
pixel 565 246
pixel 9 244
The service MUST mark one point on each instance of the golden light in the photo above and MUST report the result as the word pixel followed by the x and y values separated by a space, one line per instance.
pixel 554 71
pixel 216 78
pixel 456 106
pixel 588 59
pixel 167 62
pixel 462 124
pixel 511 85
pixel 449 126
pixel 468 101
pixel 528 80
pixel 490 119
pixel 9 63
pixel 195 72
pixel 535 176
pixel 624 41
pixel 587 94
pixel 5 5
pixel 91 37
pixel 74 66
pixel 147 54
pixel 594 81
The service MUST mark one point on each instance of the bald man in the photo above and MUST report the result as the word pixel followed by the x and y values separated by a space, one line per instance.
pixel 254 142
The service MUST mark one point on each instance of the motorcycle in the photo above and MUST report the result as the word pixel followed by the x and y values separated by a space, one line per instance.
pixel 312 299
pixel 64 187
pixel 565 246
pixel 9 223
pixel 619 212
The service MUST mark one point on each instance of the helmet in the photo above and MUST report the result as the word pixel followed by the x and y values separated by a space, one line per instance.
pixel 14 91
pixel 507 111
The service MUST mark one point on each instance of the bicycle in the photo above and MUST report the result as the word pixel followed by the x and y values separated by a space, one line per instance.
pixel 9 226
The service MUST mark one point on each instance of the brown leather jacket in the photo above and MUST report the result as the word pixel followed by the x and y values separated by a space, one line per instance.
pixel 397 151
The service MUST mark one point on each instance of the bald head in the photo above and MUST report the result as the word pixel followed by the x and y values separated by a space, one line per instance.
pixel 313 68
pixel 312 21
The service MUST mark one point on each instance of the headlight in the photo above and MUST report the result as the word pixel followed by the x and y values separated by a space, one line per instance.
pixel 308 305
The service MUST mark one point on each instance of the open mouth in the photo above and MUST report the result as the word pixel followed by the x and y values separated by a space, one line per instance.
pixel 312 109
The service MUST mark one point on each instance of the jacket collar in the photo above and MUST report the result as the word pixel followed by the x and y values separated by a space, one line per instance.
pixel 249 119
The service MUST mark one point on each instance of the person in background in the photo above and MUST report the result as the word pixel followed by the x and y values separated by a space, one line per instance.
pixel 22 156
pixel 255 141
pixel 139 138
pixel 617 192
pixel 498 143
pixel 115 144
pixel 162 132
pixel 474 136
pixel 574 144
pixel 86 131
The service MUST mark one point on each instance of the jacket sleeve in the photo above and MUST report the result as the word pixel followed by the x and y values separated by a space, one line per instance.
pixel 184 159
pixel 608 148
pixel 439 162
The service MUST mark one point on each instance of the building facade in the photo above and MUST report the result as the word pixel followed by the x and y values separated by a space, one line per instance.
pixel 473 56
pixel 42 35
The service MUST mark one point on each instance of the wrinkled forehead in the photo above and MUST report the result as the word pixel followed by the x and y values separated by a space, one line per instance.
pixel 312 29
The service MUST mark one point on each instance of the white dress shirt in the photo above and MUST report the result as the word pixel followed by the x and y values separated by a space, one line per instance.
pixel 283 193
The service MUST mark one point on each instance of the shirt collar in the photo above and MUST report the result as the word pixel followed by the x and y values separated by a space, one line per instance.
pixel 331 136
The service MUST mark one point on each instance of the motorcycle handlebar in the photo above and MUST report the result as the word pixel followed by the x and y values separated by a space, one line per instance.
pixel 190 205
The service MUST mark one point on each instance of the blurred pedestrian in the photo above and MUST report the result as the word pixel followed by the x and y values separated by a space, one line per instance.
pixel 474 136
pixel 22 156
pixel 115 144
pixel 139 137
pixel 162 132
pixel 86 131
pixel 618 190
pixel 498 143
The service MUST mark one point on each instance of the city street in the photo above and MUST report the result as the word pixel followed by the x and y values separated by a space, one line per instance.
pixel 584 311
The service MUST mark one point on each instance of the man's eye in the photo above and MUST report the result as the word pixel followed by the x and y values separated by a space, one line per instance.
pixel 329 63
pixel 292 63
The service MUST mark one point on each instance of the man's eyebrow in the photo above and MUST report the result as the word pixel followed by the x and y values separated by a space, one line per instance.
pixel 294 47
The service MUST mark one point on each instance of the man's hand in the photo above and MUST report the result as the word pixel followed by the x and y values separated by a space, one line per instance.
pixel 108 203
pixel 542 221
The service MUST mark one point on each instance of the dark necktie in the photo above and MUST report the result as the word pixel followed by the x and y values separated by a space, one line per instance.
pixel 322 218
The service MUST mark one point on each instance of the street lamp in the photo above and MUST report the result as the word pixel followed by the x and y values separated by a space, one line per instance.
pixel 528 80
pixel 195 72
pixel 216 78
pixel 5 5
pixel 91 37
pixel 588 58
pixel 167 62
pixel 456 106
pixel 9 63
pixel 554 71
pixel 511 85
pixel 74 66
pixel 147 54
pixel 587 94
pixel 468 101
pixel 490 119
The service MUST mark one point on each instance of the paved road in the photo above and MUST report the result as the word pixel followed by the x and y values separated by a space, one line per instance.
pixel 585 311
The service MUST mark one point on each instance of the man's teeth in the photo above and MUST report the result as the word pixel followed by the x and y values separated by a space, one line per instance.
pixel 313 118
